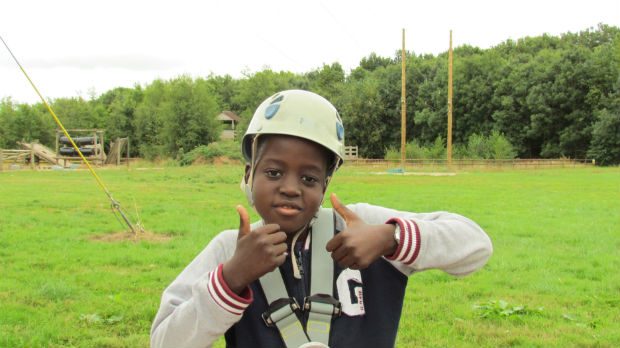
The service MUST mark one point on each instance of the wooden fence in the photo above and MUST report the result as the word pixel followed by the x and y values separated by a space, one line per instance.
pixel 426 164
pixel 15 156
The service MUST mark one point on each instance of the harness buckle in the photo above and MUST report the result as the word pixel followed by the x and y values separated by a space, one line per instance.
pixel 336 308
pixel 278 307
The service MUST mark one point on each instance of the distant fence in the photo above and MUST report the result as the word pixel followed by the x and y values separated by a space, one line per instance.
pixel 473 163
pixel 15 156
pixel 350 152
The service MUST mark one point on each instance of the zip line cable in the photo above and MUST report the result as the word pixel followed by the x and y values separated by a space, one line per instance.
pixel 116 206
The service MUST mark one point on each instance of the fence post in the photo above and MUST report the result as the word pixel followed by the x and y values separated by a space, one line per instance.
pixel 128 153
pixel 1 159
pixel 31 155
pixel 118 152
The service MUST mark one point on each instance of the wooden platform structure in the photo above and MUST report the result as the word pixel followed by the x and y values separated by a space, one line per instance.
pixel 43 152
pixel 98 155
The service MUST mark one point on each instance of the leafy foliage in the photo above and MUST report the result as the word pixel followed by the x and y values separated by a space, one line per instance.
pixel 495 146
pixel 501 308
pixel 209 152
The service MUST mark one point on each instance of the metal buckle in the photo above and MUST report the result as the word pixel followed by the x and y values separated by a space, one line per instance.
pixel 323 298
pixel 277 305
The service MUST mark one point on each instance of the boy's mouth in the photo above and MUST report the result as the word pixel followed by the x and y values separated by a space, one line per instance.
pixel 287 209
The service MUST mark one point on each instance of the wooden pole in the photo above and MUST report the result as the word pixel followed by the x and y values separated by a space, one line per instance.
pixel 1 160
pixel 118 152
pixel 450 102
pixel 31 155
pixel 127 153
pixel 57 145
pixel 403 108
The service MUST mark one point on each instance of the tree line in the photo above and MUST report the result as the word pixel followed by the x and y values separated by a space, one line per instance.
pixel 548 96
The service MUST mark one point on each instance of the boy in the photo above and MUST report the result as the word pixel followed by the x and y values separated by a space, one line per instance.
pixel 304 275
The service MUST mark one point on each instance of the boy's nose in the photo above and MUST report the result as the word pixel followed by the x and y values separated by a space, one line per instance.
pixel 290 187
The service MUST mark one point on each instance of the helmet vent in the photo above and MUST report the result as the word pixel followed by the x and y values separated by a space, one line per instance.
pixel 277 98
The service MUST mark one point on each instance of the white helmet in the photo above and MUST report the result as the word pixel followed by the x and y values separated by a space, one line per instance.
pixel 298 113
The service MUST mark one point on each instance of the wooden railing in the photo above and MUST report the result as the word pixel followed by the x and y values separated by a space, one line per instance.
pixel 412 164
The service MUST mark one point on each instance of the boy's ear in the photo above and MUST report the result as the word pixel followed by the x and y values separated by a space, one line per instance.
pixel 246 176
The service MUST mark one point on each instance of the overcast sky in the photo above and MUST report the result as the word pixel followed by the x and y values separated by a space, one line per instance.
pixel 77 48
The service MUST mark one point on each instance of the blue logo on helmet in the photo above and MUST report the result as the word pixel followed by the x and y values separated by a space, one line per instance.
pixel 271 110
pixel 339 130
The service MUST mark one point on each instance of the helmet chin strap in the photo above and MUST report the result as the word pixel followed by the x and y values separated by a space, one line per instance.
pixel 246 186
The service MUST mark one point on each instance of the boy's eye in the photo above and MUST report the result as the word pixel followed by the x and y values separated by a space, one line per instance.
pixel 273 173
pixel 309 179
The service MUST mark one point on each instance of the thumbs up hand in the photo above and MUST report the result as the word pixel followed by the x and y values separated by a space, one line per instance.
pixel 258 252
pixel 359 244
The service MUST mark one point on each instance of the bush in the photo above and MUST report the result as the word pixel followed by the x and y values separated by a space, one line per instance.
pixel 500 147
pixel 208 153
pixel 414 150
pixel 495 146
pixel 437 150
pixel 392 153
pixel 605 145
pixel 477 147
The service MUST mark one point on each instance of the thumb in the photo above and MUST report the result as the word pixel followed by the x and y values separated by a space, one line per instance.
pixel 244 222
pixel 345 212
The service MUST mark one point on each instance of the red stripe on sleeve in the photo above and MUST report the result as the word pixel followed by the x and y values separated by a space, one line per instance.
pixel 417 243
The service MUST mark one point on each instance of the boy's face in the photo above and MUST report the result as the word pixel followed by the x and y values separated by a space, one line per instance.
pixel 289 181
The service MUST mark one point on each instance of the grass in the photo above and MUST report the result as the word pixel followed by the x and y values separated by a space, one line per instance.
pixel 553 280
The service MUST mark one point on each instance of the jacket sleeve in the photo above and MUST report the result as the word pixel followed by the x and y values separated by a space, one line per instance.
pixel 198 307
pixel 438 240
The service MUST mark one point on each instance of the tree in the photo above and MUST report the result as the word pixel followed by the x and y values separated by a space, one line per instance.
pixel 363 115
pixel 120 105
pixel 78 113
pixel 373 62
pixel 149 120
pixel 23 122
pixel 190 121
pixel 7 116
pixel 327 81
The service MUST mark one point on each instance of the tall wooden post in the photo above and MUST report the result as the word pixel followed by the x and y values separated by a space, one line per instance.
pixel 403 108
pixel 31 155
pixel 1 160
pixel 127 153
pixel 118 152
pixel 450 102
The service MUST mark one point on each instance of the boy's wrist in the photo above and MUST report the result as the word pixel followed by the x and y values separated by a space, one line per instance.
pixel 231 276
pixel 392 233
pixel 397 237
pixel 224 296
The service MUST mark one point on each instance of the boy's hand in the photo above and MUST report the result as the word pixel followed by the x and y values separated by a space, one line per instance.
pixel 258 252
pixel 359 244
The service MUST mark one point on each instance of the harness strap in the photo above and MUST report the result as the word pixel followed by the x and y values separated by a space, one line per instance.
pixel 321 305
pixel 282 310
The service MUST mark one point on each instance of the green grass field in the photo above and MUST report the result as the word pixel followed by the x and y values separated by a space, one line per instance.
pixel 553 280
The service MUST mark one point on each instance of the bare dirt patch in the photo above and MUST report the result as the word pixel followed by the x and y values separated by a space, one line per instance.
pixel 133 237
